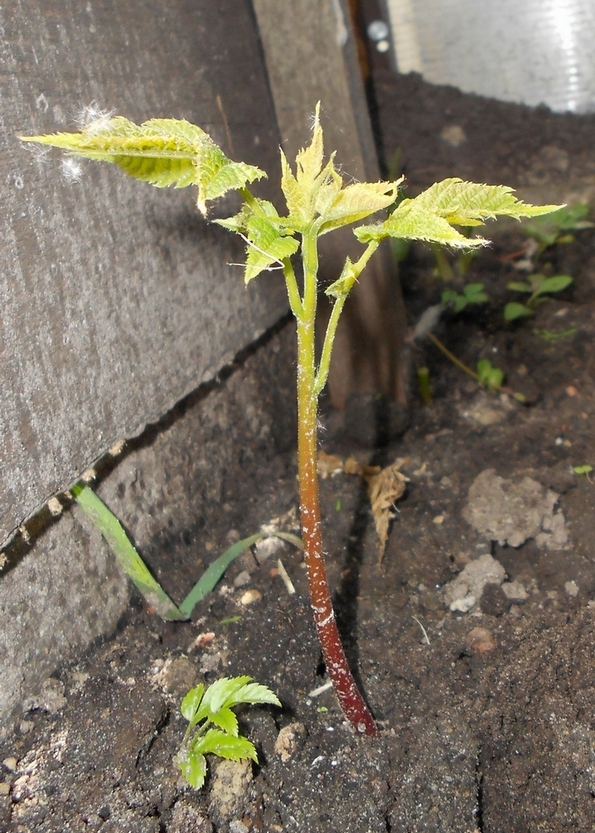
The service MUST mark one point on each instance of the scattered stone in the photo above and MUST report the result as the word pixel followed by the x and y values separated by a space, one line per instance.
pixel 494 600
pixel 228 794
pixel 242 579
pixel 289 740
pixel 50 699
pixel 10 763
pixel 462 593
pixel 250 596
pixel 453 135
pixel 486 410
pixel 238 826
pixel 177 676
pixel 267 548
pixel 514 510
pixel 210 663
pixel 515 591
pixel 480 641
pixel 571 588
pixel 463 605
pixel 188 819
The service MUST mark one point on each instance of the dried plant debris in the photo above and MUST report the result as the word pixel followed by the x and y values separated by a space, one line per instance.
pixel 385 487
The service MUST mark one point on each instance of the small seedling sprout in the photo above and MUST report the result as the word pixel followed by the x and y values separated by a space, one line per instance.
pixel 213 727
pixel 169 152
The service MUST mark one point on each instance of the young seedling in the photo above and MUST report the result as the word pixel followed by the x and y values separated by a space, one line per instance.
pixel 473 293
pixel 558 227
pixel 539 288
pixel 168 152
pixel 213 727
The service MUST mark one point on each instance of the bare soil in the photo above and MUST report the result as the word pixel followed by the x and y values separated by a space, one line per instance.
pixel 485 710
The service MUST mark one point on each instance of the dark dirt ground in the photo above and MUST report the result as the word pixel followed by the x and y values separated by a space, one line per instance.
pixel 487 724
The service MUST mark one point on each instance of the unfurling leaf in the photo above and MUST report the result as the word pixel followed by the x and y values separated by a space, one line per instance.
pixel 315 191
pixel 164 152
pixel 452 202
pixel 266 236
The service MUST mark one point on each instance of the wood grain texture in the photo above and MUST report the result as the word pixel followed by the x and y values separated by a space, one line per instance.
pixel 116 299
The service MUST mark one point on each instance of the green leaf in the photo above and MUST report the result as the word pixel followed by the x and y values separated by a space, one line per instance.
pixel 410 222
pixel 126 554
pixel 224 745
pixel 430 216
pixel 213 573
pixel 266 236
pixel 253 693
pixel 355 203
pixel 266 246
pixel 191 702
pixel 548 230
pixel 231 691
pixel 514 310
pixel 586 469
pixel 550 335
pixel 218 694
pixel 519 286
pixel 554 284
pixel 474 293
pixel 164 152
pixel 489 375
pixel 193 766
pixel 226 720
pixel 471 203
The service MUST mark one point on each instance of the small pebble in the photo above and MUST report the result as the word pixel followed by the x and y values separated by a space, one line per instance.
pixel 242 579
pixel 10 763
pixel 479 641
pixel 289 740
pixel 463 605
pixel 515 591
pixel 571 588
pixel 4 788
pixel 250 596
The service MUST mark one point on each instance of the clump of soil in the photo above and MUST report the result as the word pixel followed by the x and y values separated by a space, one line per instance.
pixel 474 638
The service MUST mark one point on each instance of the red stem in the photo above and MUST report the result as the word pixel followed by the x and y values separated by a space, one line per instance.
pixel 350 698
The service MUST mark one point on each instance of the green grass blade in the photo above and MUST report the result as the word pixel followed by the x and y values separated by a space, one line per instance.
pixel 128 558
pixel 213 573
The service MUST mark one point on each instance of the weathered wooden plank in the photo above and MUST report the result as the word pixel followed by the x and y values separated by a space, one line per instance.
pixel 116 299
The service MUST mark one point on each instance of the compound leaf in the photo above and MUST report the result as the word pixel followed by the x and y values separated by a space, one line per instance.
pixel 163 152
pixel 224 745
pixel 431 215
